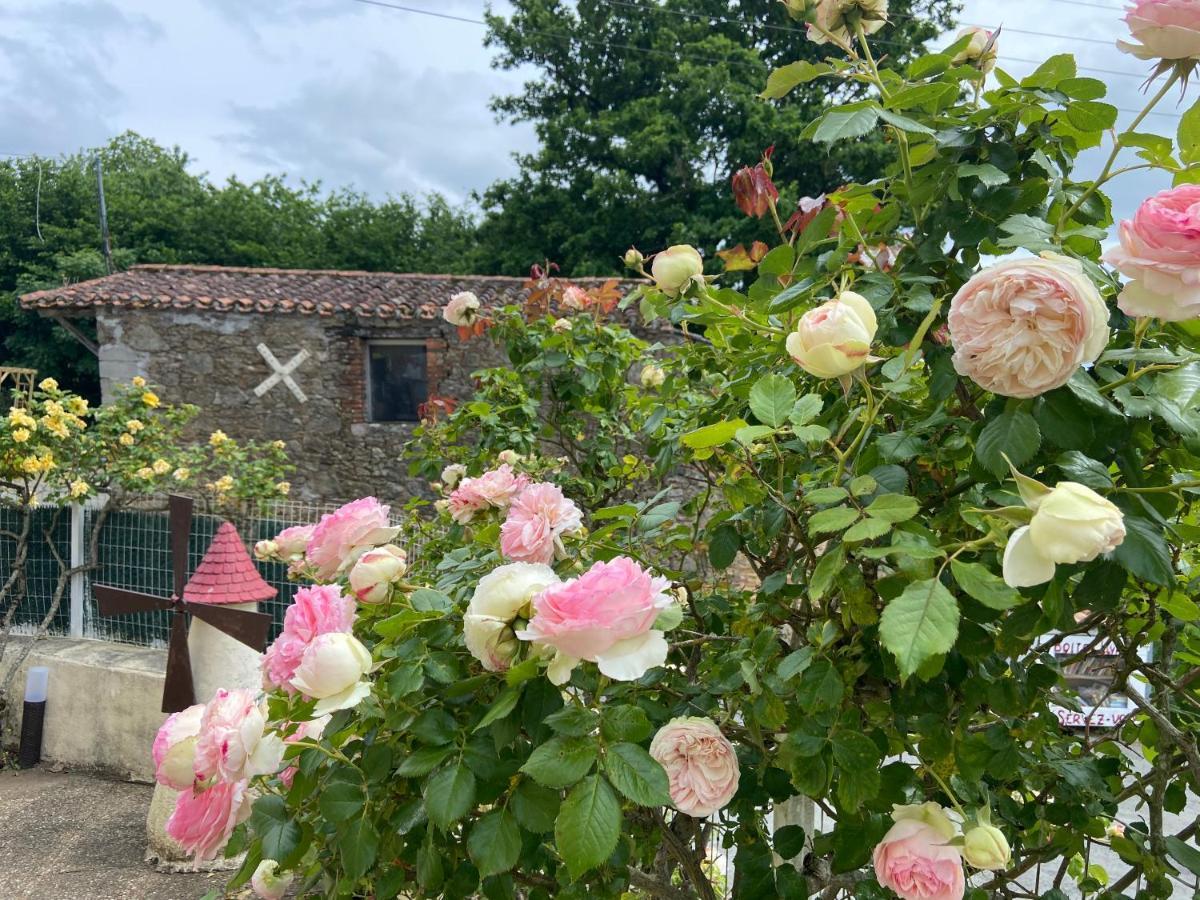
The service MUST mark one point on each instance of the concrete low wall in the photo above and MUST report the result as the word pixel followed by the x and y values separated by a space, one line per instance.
pixel 103 706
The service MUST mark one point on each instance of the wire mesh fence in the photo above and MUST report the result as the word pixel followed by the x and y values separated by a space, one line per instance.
pixel 134 552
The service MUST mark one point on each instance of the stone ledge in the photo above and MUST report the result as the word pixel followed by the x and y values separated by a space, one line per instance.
pixel 103 705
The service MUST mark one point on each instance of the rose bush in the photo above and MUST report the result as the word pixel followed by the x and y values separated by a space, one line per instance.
pixel 893 458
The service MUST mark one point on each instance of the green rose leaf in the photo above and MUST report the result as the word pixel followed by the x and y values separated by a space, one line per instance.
pixel 535 806
pixel 341 800
pixel 358 842
pixel 835 519
pixel 713 435
pixel 637 775
pixel 893 508
pixel 919 624
pixel 625 723
pixel 783 79
pixel 1144 552
pixel 723 547
pixel 588 825
pixel 449 795
pixel 561 761
pixel 772 399
pixel 985 586
pixel 494 843
pixel 273 824
pixel 1014 434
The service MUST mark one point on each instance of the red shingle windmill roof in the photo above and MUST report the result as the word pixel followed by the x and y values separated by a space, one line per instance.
pixel 227 574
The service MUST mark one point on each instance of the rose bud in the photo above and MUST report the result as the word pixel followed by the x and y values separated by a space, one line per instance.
pixel 835 338
pixel 376 571
pixel 753 190
pixel 677 267
pixel 985 847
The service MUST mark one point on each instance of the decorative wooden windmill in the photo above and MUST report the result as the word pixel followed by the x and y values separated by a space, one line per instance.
pixel 224 578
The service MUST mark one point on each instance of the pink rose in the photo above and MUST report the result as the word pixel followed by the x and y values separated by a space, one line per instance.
pixel 700 762
pixel 203 820
pixel 575 298
pixel 1160 254
pixel 317 610
pixel 233 743
pixel 1167 29
pixel 915 860
pixel 536 520
pixel 1024 326
pixel 345 534
pixel 292 542
pixel 491 490
pixel 174 748
pixel 462 309
pixel 376 571
pixel 606 616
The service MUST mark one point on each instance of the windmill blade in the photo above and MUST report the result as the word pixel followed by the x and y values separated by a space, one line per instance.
pixel 115 601
pixel 251 628
pixel 178 690
pixel 181 528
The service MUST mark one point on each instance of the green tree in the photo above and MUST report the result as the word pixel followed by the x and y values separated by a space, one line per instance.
pixel 644 110
pixel 160 211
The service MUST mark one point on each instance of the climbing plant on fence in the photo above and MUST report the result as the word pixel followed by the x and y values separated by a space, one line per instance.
pixel 55 450
pixel 943 431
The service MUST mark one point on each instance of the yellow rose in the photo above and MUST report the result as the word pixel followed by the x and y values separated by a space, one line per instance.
pixel 217 438
pixel 20 435
pixel 48 384
pixel 161 467
pixel 31 465
pixel 145 472
pixel 18 417
pixel 77 405
pixel 138 381
pixel 284 487
pixel 134 425
pixel 125 440
pixel 150 399
pixel 182 474
pixel 224 483
pixel 278 445
pixel 79 489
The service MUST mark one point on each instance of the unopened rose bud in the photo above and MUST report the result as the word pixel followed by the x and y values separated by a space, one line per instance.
pixel 985 847
pixel 634 258
pixel 376 571
pixel 509 457
pixel 442 506
pixel 267 883
pixel 452 473
pixel 980 52
pixel 677 267
pixel 561 325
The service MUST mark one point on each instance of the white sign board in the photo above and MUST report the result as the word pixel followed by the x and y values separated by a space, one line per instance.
pixel 1091 678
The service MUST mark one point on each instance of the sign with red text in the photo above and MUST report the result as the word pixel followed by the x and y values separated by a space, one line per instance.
pixel 1088 666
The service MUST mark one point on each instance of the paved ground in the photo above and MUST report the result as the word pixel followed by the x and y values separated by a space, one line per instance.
pixel 72 836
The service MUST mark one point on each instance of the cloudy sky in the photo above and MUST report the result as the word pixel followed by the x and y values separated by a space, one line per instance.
pixel 347 93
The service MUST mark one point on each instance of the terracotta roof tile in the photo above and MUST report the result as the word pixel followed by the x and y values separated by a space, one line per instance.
pixel 382 295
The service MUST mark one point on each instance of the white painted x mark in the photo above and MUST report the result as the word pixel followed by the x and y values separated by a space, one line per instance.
pixel 282 372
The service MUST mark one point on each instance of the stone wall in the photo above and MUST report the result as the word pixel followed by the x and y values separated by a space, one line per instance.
pixel 210 359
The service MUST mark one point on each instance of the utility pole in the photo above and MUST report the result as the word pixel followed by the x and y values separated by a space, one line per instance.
pixel 103 218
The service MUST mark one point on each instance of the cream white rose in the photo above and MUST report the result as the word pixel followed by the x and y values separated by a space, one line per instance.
pixel 462 310
pixel 500 597
pixel 676 267
pixel 1071 524
pixel 376 571
pixel 332 670
pixel 268 884
pixel 835 338
pixel 652 376
pixel 453 473
pixel 986 847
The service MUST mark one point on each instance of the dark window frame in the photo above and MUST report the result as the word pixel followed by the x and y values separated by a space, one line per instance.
pixel 369 380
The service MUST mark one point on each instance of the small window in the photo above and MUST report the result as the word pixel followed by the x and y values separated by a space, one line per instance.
pixel 397 381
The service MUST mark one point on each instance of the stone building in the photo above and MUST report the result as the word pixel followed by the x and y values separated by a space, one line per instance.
pixel 335 363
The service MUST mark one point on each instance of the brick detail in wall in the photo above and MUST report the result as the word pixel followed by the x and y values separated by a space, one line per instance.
pixel 354 395
pixel 436 364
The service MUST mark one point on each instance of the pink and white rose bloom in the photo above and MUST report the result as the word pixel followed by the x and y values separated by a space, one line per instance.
pixel 916 859
pixel 204 819
pixel 1024 326
pixel 1160 254
pixel 605 616
pixel 345 534
pixel 268 883
pixel 174 748
pixel 291 543
pixel 233 743
pixel 372 577
pixel 1165 29
pixel 834 339
pixel 491 490
pixel 333 672
pixel 536 521
pixel 981 52
pixel 1071 524
pixel 575 297
pixel 316 610
pixel 700 762
pixel 502 595
pixel 462 309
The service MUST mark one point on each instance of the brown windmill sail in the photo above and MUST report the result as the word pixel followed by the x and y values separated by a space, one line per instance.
pixel 250 628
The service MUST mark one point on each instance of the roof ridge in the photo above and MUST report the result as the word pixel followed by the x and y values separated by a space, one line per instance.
pixel 206 268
